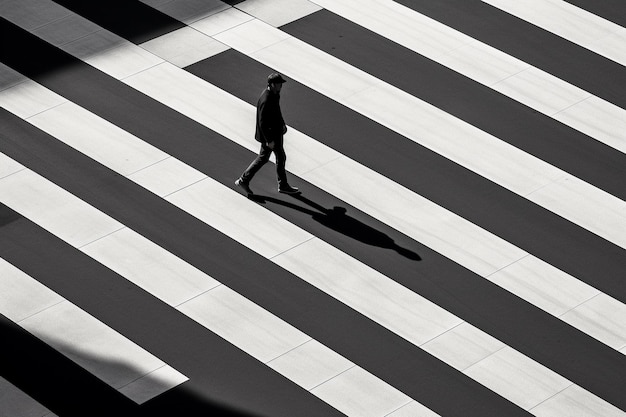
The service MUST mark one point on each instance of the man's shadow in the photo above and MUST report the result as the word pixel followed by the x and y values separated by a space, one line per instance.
pixel 337 220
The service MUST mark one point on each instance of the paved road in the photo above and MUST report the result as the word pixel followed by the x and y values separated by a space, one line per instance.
pixel 458 247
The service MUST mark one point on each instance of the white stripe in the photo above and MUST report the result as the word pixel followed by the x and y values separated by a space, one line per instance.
pixel 572 23
pixel 400 310
pixel 93 345
pixel 433 128
pixel 489 66
pixel 184 46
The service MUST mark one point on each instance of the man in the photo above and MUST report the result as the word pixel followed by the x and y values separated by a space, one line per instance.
pixel 270 129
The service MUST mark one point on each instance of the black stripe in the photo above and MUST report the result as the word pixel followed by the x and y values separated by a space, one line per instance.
pixel 366 343
pixel 476 104
pixel 612 10
pixel 557 56
pixel 222 160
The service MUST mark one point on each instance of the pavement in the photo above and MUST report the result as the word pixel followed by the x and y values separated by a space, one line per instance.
pixel 457 247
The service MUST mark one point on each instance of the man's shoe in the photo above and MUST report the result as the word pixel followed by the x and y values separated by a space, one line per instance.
pixel 288 189
pixel 244 186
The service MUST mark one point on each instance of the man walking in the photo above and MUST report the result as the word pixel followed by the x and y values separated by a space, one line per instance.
pixel 270 129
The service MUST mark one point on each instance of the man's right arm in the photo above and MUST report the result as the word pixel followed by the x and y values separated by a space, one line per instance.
pixel 263 124
pixel 267 122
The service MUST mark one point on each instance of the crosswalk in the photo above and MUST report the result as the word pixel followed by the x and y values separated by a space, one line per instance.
pixel 459 247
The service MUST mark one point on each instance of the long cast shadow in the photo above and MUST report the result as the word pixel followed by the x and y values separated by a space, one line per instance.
pixel 336 219
pixel 67 389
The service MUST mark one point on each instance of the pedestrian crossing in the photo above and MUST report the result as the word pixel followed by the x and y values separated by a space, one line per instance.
pixel 412 277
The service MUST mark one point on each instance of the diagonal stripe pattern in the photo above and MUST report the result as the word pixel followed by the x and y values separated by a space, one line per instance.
pixel 119 156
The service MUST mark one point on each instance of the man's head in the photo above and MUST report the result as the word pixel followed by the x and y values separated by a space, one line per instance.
pixel 275 82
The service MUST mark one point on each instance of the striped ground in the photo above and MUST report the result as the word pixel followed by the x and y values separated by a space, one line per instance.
pixel 458 248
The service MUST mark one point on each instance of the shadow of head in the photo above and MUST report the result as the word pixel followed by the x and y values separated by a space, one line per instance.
pixel 337 219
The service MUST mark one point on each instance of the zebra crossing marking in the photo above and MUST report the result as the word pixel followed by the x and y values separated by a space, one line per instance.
pixel 193 193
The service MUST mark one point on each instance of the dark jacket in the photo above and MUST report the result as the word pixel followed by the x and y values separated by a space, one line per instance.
pixel 269 120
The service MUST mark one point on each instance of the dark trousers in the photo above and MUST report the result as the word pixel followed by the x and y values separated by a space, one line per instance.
pixel 263 157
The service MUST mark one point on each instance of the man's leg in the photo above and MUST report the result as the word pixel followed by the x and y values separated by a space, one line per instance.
pixel 281 159
pixel 255 166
